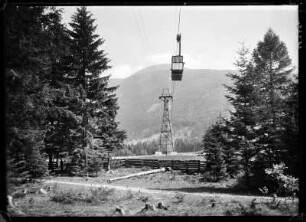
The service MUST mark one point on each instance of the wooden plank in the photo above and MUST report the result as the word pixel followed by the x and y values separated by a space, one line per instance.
pixel 192 167
pixel 152 163
pixel 193 163
pixel 137 174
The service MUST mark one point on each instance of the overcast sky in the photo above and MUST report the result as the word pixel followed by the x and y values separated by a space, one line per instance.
pixel 138 36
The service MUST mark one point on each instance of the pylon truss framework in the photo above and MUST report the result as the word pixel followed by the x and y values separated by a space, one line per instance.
pixel 166 139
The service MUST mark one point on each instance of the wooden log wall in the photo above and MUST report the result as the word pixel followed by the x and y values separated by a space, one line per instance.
pixel 184 165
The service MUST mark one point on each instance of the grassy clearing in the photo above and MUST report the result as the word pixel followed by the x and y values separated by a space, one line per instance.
pixel 168 181
pixel 70 200
pixel 96 196
pixel 67 200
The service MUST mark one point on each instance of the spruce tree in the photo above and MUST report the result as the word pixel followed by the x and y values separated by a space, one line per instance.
pixel 29 96
pixel 63 118
pixel 244 122
pixel 99 107
pixel 214 155
pixel 273 65
pixel 230 149
pixel 290 134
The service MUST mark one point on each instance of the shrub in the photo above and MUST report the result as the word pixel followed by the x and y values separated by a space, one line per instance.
pixel 211 177
pixel 143 198
pixel 129 195
pixel 64 197
pixel 179 197
pixel 77 165
pixel 280 182
pixel 97 195
pixel 18 176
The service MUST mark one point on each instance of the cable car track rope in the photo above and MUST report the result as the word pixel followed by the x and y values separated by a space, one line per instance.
pixel 173 82
pixel 179 22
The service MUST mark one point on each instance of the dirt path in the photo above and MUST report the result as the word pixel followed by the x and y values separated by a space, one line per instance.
pixel 160 192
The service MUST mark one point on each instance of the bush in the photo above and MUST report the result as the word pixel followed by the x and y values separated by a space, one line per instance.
pixel 77 165
pixel 212 177
pixel 100 195
pixel 281 183
pixel 179 198
pixel 25 154
pixel 64 197
pixel 17 174
pixel 241 184
pixel 97 195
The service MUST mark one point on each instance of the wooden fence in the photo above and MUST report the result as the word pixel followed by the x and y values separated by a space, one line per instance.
pixel 188 165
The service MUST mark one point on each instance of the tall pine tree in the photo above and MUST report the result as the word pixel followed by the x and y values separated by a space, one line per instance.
pixel 245 99
pixel 273 66
pixel 88 64
pixel 64 117
pixel 28 99
pixel 290 134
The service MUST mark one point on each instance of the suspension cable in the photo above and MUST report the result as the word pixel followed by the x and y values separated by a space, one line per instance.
pixel 141 33
pixel 179 21
pixel 178 31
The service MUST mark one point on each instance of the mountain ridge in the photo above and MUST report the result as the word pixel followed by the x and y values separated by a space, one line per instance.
pixel 197 101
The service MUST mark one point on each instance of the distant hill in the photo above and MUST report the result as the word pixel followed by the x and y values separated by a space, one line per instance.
pixel 115 82
pixel 198 100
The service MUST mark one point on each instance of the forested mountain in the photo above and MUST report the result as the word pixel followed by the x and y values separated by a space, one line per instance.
pixel 198 99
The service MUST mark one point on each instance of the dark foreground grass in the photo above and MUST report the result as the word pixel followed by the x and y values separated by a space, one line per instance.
pixel 67 200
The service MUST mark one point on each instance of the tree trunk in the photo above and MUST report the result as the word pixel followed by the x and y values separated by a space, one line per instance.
pixel 247 176
pixel 57 160
pixel 62 165
pixel 50 166
pixel 108 164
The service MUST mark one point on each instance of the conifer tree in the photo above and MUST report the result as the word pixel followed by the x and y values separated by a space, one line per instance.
pixel 28 99
pixel 290 134
pixel 63 117
pixel 273 65
pixel 244 122
pixel 99 106
pixel 230 149
pixel 214 155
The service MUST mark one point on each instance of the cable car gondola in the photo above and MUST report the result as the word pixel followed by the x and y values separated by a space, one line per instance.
pixel 177 63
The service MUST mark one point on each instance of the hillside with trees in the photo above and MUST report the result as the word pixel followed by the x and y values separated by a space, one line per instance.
pixel 198 101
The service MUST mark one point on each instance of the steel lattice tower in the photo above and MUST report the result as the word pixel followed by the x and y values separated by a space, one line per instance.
pixel 166 140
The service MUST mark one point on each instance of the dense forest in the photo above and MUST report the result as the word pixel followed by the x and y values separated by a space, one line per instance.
pixel 259 141
pixel 59 104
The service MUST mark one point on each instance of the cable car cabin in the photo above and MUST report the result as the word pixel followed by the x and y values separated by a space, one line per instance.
pixel 177 66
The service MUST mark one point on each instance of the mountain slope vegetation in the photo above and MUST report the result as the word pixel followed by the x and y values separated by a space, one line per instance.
pixel 198 100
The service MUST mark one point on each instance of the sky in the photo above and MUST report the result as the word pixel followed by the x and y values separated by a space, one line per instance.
pixel 140 36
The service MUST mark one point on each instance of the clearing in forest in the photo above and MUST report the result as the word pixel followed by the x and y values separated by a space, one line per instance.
pixel 162 194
